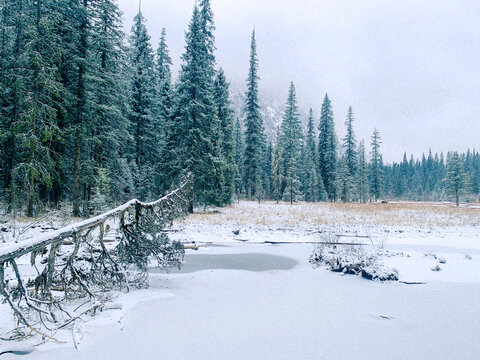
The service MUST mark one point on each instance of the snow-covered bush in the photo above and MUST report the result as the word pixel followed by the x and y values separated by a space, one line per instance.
pixel 351 259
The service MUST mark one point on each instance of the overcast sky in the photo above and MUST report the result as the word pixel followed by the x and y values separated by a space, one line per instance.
pixel 411 68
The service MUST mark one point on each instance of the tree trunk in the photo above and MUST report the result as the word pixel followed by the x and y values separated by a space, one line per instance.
pixel 79 111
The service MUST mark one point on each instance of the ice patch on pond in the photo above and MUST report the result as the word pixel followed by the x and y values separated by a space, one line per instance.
pixel 249 262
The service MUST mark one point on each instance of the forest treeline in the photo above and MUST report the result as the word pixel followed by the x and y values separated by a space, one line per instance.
pixel 90 116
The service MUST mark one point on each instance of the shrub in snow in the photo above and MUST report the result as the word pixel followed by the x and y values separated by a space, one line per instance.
pixel 440 259
pixel 436 268
pixel 351 259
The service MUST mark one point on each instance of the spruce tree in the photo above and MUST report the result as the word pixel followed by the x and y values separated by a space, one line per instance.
pixel 239 150
pixel 193 141
pixel 290 141
pixel 376 167
pixel 277 171
pixel 268 172
pixel 311 180
pixel 164 101
pixel 350 144
pixel 142 106
pixel 109 124
pixel 163 61
pixel 345 184
pixel 361 176
pixel 455 179
pixel 254 133
pixel 322 192
pixel 81 10
pixel 225 116
pixel 33 124
pixel 327 149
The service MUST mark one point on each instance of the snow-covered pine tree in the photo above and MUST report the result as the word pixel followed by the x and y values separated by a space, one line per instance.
pixel 361 176
pixel 4 54
pixel 142 106
pixel 12 43
pixel 108 134
pixel 311 180
pixel 350 144
pixel 277 170
pixel 327 149
pixel 239 151
pixel 37 85
pixel 376 167
pixel 164 101
pixel 322 192
pixel 344 182
pixel 163 61
pixel 225 116
pixel 80 9
pixel 455 180
pixel 267 171
pixel 193 141
pixel 254 133
pixel 291 139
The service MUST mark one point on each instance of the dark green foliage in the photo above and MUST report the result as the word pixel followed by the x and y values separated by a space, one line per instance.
pixel 268 171
pixel 227 140
pixel 109 126
pixel 350 144
pixel 455 179
pixel 345 182
pixel 277 172
pixel 163 111
pixel 32 85
pixel 194 137
pixel 142 105
pixel 144 240
pixel 361 176
pixel 239 150
pixel 89 120
pixel 327 149
pixel 254 133
pixel 290 142
pixel 311 185
pixel 376 167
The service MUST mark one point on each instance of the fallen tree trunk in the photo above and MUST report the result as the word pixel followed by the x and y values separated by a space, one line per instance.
pixel 78 272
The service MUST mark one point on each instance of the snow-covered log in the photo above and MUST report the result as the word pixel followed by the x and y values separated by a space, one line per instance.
pixel 73 271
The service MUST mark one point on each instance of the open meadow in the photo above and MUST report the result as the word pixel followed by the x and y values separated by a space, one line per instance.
pixel 248 290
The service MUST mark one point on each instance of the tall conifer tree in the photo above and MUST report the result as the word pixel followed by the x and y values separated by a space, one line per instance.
pixel 350 144
pixel 239 151
pixel 108 135
pixel 194 136
pixel 163 108
pixel 361 176
pixel 142 106
pixel 225 116
pixel 254 133
pixel 376 167
pixel 455 179
pixel 311 180
pixel 290 141
pixel 327 149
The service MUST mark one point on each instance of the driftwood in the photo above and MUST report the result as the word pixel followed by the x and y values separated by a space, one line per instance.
pixel 75 271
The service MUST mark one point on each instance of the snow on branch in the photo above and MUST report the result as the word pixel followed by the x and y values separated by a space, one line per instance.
pixel 76 270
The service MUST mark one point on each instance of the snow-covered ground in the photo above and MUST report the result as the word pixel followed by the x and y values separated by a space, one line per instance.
pixel 250 293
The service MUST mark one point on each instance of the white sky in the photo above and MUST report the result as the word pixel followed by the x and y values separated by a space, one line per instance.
pixel 411 68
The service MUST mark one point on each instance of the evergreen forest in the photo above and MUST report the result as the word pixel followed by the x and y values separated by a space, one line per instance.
pixel 91 117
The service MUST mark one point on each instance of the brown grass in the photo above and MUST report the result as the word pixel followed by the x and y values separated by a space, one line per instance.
pixel 270 214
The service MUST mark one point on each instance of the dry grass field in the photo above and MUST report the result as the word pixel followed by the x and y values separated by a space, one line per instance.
pixel 401 214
